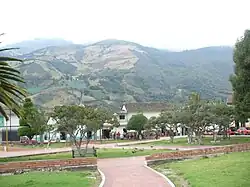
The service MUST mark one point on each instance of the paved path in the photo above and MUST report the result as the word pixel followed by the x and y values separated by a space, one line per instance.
pixel 129 172
pixel 125 145
pixel 29 152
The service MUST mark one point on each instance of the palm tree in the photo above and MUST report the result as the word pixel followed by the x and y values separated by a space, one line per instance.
pixel 10 93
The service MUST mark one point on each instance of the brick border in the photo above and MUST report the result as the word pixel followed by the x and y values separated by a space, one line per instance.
pixel 178 155
pixel 48 165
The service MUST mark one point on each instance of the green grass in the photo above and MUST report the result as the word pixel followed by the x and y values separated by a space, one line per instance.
pixel 230 170
pixel 116 153
pixel 206 141
pixel 53 179
pixel 101 153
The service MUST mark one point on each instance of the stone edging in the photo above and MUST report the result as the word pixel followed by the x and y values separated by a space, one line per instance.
pixel 158 173
pixel 198 152
pixel 48 165
pixel 102 176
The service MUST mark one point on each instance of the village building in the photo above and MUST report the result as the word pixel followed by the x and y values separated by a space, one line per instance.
pixel 11 126
pixel 230 100
pixel 123 115
pixel 147 109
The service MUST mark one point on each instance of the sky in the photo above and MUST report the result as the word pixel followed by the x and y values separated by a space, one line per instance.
pixel 168 24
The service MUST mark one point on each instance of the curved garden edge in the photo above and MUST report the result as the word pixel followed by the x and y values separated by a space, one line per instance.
pixel 158 173
pixel 102 177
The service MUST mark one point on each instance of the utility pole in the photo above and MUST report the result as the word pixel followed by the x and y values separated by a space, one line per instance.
pixel 7 138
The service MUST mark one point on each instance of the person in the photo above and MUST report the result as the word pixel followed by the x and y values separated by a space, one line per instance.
pixel 118 135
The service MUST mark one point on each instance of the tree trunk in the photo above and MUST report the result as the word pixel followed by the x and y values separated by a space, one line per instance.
pixel 198 136
pixel 171 135
pixel 215 136
pixel 50 140
pixel 190 136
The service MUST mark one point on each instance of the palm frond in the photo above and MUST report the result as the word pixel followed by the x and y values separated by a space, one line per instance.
pixel 13 78
pixel 8 49
pixel 8 68
pixel 10 93
pixel 9 59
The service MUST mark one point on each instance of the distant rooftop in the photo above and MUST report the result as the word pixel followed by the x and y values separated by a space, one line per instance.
pixel 145 107
pixel 230 99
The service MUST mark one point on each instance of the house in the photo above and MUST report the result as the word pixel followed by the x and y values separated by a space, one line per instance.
pixel 230 100
pixel 11 126
pixel 148 109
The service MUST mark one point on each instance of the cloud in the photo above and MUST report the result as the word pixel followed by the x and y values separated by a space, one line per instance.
pixel 178 24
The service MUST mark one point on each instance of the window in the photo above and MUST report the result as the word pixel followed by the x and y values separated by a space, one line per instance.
pixel 122 116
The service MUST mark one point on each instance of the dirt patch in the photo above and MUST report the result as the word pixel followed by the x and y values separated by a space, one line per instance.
pixel 98 179
pixel 177 179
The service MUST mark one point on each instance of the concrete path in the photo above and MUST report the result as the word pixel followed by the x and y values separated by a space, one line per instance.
pixel 125 145
pixel 29 152
pixel 129 172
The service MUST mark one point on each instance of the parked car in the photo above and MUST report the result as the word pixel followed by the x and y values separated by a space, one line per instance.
pixel 27 141
pixel 244 130
pixel 232 131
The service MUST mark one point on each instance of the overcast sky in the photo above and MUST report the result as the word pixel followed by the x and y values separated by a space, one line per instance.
pixel 170 24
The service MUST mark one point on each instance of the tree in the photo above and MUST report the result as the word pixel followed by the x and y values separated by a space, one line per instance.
pixel 240 80
pixel 10 93
pixel 223 115
pixel 79 122
pixel 137 122
pixel 196 115
pixel 41 123
pixel 168 121
pixel 32 122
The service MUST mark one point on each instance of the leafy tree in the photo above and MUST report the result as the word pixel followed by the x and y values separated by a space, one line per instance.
pixel 240 80
pixel 10 93
pixel 223 115
pixel 79 122
pixel 196 115
pixel 137 122
pixel 169 120
pixel 32 122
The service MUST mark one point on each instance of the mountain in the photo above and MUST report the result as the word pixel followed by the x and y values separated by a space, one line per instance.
pixel 110 72
pixel 31 45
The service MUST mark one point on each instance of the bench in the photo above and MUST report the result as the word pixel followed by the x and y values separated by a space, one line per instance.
pixel 84 152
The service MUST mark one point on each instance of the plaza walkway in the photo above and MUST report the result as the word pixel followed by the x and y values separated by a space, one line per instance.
pixel 129 172
pixel 125 145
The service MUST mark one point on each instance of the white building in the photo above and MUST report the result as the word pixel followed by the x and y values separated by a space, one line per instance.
pixel 11 125
pixel 148 109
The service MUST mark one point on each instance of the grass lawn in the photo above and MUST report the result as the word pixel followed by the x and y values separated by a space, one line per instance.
pixel 206 141
pixel 101 153
pixel 53 179
pixel 229 170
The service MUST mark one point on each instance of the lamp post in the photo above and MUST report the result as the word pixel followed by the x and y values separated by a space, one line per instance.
pixel 101 133
pixel 7 133
pixel 113 119
pixel 7 138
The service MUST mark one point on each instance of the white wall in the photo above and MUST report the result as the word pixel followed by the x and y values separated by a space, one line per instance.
pixel 13 122
pixel 124 122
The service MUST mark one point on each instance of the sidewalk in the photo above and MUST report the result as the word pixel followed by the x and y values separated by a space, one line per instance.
pixel 129 172
pixel 30 152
